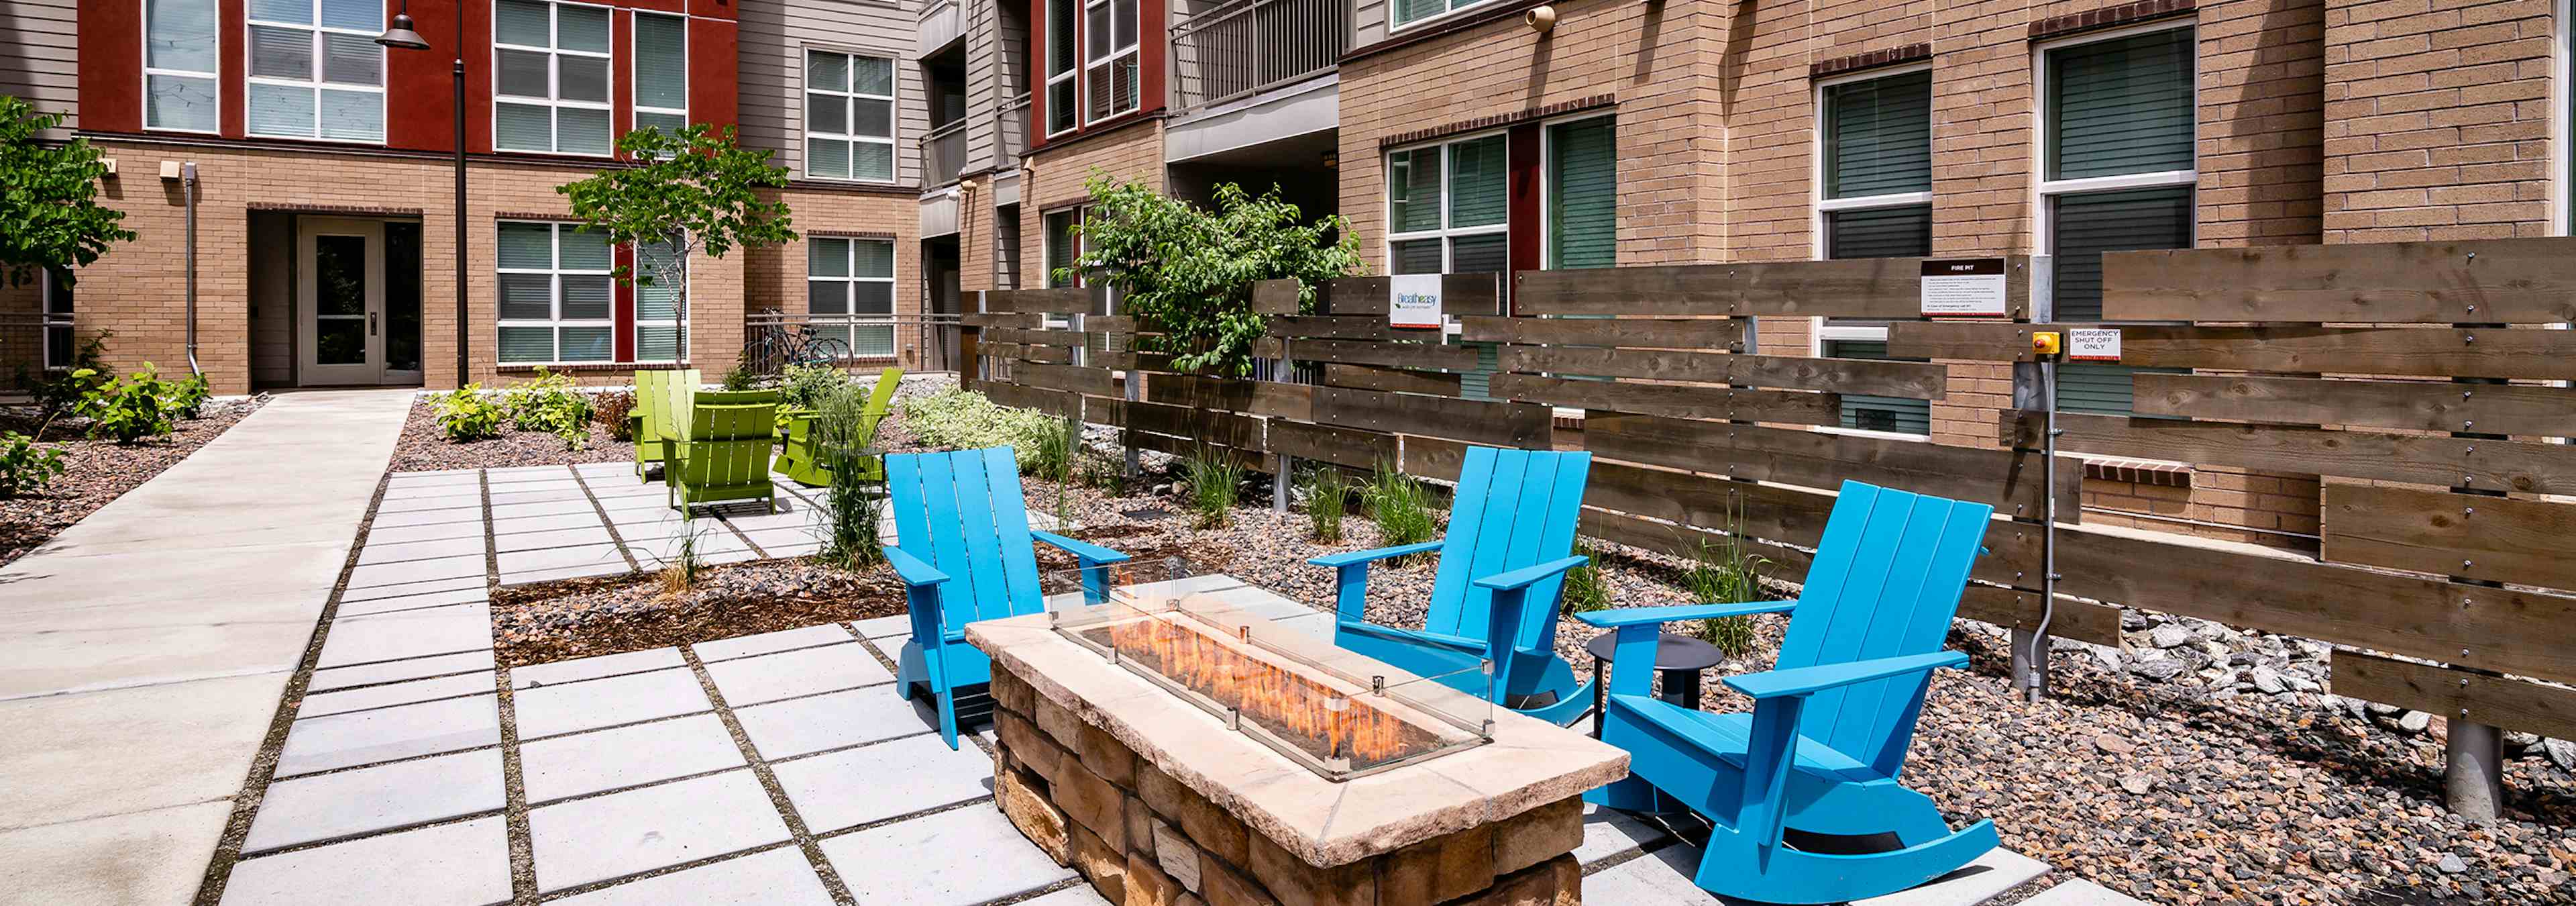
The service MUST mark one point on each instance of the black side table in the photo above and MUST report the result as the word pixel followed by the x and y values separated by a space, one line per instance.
pixel 1679 658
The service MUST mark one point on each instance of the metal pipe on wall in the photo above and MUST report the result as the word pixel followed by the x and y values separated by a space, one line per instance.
pixel 188 198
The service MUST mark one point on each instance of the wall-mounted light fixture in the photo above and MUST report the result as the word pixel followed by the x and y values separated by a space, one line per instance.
pixel 1540 18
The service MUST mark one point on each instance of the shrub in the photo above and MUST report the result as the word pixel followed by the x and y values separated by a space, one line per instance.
pixel 1401 507
pixel 1585 588
pixel 741 378
pixel 25 467
pixel 1723 573
pixel 807 386
pixel 550 403
pixel 130 408
pixel 1212 478
pixel 611 409
pixel 965 420
pixel 1052 458
pixel 1103 471
pixel 851 508
pixel 466 414
pixel 680 570
pixel 62 391
pixel 1328 494
pixel 188 396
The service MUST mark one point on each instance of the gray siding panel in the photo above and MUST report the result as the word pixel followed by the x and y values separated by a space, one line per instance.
pixel 772 71
pixel 1368 22
pixel 39 57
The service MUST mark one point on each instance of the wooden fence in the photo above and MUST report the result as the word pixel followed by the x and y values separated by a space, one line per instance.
pixel 2421 380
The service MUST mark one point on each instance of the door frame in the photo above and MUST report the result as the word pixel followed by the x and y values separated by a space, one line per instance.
pixel 309 372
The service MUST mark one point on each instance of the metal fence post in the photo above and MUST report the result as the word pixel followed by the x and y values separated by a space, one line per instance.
pixel 2030 646
pixel 2473 753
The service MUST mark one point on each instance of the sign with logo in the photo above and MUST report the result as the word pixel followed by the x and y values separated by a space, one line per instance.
pixel 1413 300
pixel 1963 287
pixel 2093 344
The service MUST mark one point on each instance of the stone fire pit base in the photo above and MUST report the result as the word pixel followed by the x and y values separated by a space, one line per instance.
pixel 1144 839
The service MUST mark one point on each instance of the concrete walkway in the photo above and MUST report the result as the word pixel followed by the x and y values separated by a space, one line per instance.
pixel 148 645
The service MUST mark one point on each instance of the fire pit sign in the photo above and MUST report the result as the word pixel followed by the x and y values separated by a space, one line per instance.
pixel 1413 301
pixel 1963 287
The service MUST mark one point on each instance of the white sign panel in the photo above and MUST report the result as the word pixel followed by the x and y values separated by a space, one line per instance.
pixel 1413 300
pixel 2093 344
pixel 1963 287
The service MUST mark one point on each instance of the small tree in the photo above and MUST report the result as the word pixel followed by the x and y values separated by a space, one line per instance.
pixel 49 211
pixel 696 191
pixel 1190 271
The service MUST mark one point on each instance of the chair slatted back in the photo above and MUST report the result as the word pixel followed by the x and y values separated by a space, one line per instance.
pixel 654 392
pixel 1514 508
pixel 1885 582
pixel 962 512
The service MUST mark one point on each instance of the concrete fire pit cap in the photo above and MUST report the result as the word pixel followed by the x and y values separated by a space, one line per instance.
pixel 1530 763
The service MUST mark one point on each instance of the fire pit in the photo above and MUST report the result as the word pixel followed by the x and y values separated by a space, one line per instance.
pixel 1169 734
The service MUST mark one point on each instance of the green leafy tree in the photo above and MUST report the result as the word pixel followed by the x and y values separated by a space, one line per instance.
pixel 1189 270
pixel 49 210
pixel 696 191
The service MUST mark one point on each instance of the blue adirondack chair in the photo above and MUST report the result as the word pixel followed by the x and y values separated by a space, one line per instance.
pixel 1495 596
pixel 963 549
pixel 1816 763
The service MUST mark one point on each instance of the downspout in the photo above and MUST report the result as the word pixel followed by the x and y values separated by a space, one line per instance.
pixel 188 193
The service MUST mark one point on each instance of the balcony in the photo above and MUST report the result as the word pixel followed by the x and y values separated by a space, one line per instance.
pixel 943 154
pixel 1246 47
pixel 1011 133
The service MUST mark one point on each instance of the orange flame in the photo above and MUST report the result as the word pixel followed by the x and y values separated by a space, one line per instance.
pixel 1281 701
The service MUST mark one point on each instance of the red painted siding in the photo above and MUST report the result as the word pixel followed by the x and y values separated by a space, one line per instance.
pixel 420 113
pixel 232 37
pixel 713 48
pixel 111 65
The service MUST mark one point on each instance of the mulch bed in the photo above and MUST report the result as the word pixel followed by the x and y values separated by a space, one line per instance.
pixel 98 471
pixel 424 448
pixel 555 621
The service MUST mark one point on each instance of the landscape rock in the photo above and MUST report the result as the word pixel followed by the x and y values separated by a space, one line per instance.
pixel 2170 636
pixel 2561 753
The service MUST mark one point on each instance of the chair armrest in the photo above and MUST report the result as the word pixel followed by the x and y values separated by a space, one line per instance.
pixel 1087 552
pixel 914 572
pixel 1525 576
pixel 1630 616
pixel 1802 681
pixel 1382 553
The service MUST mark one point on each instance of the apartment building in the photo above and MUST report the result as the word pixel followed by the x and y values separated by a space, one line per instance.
pixel 321 232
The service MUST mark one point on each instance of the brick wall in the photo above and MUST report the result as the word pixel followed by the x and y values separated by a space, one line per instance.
pixel 1054 176
pixel 775 276
pixel 975 237
pixel 2438 119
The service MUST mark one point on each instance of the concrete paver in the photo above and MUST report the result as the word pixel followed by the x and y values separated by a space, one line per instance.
pixel 620 834
pixel 872 783
pixel 969 855
pixel 412 571
pixel 385 734
pixel 462 864
pixel 422 601
pixel 834 719
pixel 594 667
pixel 399 551
pixel 571 707
pixel 397 671
pixel 585 763
pixel 593 534
pixel 463 684
pixel 770 677
pixel 774 877
pixel 133 857
pixel 769 642
pixel 347 803
pixel 407 634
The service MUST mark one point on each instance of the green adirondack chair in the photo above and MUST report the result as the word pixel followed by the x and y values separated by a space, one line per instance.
pixel 650 421
pixel 720 445
pixel 803 464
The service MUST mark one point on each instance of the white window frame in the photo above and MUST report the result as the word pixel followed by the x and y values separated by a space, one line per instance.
pixel 635 57
pixel 679 321
pixel 2045 191
pixel 55 320
pixel 1448 170
pixel 315 84
pixel 554 80
pixel 555 290
pixel 850 117
pixel 2562 134
pixel 216 79
pixel 1546 174
pixel 1455 8
pixel 1823 206
pixel 1046 250
pixel 850 316
pixel 1072 73
pixel 1108 65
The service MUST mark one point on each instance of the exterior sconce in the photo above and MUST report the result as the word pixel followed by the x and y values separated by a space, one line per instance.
pixel 1540 19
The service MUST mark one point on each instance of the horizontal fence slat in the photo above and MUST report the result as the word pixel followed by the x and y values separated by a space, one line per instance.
pixel 2410 351
pixel 2417 405
pixel 1432 457
pixel 1048 354
pixel 1342 328
pixel 1250 460
pixel 1912 380
pixel 1389 355
pixel 1460 294
pixel 2498 629
pixel 1877 288
pixel 1658 333
pixel 2013 608
pixel 1063 301
pixel 2494 465
pixel 1683 289
pixel 2522 281
pixel 1057 402
pixel 1499 424
pixel 1344 446
pixel 2499 539
pixel 1000 319
pixel 1772 513
pixel 1087 381
pixel 2464 695
pixel 1242 432
pixel 2008 480
pixel 1028 336
pixel 1684 401
pixel 1392 380
pixel 1268 398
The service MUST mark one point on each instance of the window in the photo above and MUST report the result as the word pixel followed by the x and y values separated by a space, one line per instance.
pixel 849 116
pixel 1874 158
pixel 661 72
pixel 550 77
pixel 1110 67
pixel 1896 415
pixel 57 292
pixel 315 70
pixel 661 327
pixel 1407 12
pixel 1063 92
pixel 849 292
pixel 554 295
pixel 1582 193
pixel 1447 209
pixel 1063 248
pixel 179 53
pixel 2118 174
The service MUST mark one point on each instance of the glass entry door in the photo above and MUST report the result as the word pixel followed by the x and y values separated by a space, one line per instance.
pixel 340 293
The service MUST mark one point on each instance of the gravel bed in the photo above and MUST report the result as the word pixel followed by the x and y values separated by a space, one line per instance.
pixel 424 448
pixel 555 621
pixel 98 471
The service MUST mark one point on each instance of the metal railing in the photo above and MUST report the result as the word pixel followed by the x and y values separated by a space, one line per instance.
pixel 943 153
pixel 772 340
pixel 1011 132
pixel 1249 46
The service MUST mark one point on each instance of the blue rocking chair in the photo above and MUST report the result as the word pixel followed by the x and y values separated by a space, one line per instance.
pixel 1797 788
pixel 963 549
pixel 1495 596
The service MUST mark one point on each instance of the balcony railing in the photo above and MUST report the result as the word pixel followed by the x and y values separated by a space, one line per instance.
pixel 943 153
pixel 1011 133
pixel 1249 46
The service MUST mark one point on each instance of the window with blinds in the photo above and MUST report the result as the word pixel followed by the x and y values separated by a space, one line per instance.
pixel 1110 66
pixel 1904 231
pixel 661 322
pixel 1063 89
pixel 1063 247
pixel 1582 193
pixel 1407 12
pixel 661 72
pixel 551 77
pixel 849 117
pixel 1448 208
pixel 179 66
pixel 555 299
pixel 1878 136
pixel 2121 106
pixel 315 70
pixel 849 293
